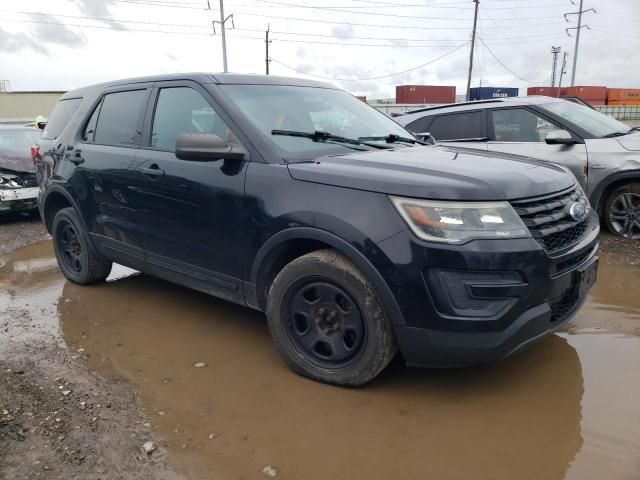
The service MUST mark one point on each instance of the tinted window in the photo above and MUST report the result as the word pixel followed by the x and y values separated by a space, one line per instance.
pixel 183 110
pixel 89 133
pixel 519 125
pixel 61 115
pixel 118 118
pixel 420 125
pixel 457 126
pixel 596 123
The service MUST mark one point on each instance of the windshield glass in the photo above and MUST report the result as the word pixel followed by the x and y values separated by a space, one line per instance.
pixel 19 140
pixel 307 109
pixel 597 124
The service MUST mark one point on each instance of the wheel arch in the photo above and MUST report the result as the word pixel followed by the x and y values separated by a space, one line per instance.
pixel 604 188
pixel 54 200
pixel 286 245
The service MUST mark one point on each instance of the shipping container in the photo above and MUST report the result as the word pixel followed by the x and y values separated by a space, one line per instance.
pixel 623 96
pixel 362 98
pixel 487 93
pixel 591 95
pixel 425 94
pixel 546 91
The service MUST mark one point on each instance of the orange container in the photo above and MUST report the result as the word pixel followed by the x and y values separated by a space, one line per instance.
pixel 623 96
pixel 593 95
pixel 546 91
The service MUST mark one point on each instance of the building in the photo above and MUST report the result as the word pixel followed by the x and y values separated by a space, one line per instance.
pixel 23 107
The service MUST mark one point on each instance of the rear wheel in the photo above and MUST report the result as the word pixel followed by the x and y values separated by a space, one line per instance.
pixel 327 322
pixel 622 211
pixel 78 260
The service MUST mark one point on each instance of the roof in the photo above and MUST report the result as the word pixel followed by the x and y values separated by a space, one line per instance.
pixel 476 105
pixel 204 78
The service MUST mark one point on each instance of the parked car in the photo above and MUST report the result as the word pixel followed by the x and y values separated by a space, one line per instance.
pixel 18 185
pixel 297 199
pixel 603 153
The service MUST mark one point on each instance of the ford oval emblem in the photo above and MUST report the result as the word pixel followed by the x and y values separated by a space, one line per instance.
pixel 578 211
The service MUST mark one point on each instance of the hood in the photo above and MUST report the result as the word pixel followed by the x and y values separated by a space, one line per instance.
pixel 438 173
pixel 630 142
pixel 16 161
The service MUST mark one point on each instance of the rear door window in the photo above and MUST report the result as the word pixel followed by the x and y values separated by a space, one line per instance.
pixel 420 125
pixel 118 121
pixel 61 115
pixel 458 126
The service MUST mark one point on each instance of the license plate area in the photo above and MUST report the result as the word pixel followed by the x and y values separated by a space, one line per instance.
pixel 586 277
pixel 19 194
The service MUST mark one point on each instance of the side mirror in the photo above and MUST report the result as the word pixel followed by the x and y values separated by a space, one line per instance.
pixel 426 137
pixel 560 137
pixel 207 147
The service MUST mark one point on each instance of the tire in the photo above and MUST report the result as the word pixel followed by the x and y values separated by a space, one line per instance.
pixel 622 211
pixel 326 321
pixel 77 258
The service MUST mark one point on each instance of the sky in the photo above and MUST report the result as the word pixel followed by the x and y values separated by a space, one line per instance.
pixel 364 46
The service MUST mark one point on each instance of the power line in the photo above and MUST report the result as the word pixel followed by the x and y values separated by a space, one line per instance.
pixel 506 67
pixel 148 2
pixel 373 78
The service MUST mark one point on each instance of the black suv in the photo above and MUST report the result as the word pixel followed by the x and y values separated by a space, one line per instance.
pixel 295 198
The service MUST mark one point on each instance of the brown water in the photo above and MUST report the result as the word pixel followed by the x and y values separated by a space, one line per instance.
pixel 565 408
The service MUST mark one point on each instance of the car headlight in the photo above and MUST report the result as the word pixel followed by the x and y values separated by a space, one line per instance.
pixel 459 222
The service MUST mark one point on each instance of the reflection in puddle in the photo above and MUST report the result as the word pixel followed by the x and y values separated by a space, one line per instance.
pixel 564 408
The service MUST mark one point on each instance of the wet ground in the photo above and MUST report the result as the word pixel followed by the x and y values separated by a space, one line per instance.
pixel 565 408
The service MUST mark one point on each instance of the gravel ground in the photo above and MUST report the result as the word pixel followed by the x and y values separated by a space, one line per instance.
pixel 58 420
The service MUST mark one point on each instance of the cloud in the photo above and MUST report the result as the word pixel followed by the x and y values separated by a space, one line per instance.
pixel 98 9
pixel 305 68
pixel 56 34
pixel 14 42
pixel 345 31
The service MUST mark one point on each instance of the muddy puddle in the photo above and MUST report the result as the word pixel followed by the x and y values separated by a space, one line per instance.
pixel 565 408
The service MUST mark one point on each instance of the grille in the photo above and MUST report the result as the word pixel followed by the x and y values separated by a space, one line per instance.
pixel 549 221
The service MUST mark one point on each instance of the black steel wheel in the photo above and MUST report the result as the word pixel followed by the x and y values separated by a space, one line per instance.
pixel 77 258
pixel 324 324
pixel 622 213
pixel 327 322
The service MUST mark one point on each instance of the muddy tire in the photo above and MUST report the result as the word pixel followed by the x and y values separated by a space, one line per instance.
pixel 622 211
pixel 327 322
pixel 78 260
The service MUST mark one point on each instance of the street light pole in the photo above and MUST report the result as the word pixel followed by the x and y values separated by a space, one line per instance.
pixel 473 44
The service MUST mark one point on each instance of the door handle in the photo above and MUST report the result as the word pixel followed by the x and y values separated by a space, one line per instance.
pixel 153 171
pixel 75 157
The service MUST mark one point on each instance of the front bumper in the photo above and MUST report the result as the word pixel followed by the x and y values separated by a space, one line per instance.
pixel 494 297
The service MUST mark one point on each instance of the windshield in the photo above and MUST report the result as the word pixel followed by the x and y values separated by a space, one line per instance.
pixel 19 140
pixel 310 109
pixel 597 124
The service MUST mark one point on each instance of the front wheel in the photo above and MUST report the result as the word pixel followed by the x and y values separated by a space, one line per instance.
pixel 622 211
pixel 327 322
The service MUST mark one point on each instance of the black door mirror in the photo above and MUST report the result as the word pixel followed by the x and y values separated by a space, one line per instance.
pixel 207 147
pixel 560 137
pixel 426 137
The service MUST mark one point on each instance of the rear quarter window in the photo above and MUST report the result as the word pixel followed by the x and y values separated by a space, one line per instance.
pixel 61 115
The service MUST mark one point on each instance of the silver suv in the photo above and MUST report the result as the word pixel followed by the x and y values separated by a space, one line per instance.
pixel 603 153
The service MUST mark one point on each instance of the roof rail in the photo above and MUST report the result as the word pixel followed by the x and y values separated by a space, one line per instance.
pixel 473 102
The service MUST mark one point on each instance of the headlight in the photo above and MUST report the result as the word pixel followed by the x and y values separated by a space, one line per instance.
pixel 459 222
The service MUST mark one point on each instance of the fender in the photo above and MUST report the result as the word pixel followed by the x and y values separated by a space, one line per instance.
pixel 362 262
pixel 596 195
pixel 59 190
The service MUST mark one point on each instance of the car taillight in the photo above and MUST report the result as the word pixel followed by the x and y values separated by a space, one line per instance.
pixel 35 153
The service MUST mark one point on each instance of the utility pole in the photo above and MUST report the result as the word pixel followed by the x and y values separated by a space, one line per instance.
pixel 473 44
pixel 554 67
pixel 222 22
pixel 577 29
pixel 562 71
pixel 267 60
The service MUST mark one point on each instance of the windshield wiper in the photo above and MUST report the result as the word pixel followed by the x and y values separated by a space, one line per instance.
pixel 615 134
pixel 393 138
pixel 326 137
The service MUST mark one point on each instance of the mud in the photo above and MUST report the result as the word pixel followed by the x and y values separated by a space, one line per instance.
pixel 564 408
